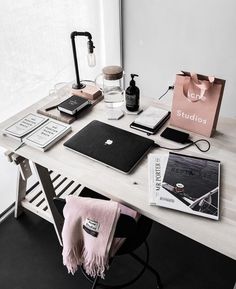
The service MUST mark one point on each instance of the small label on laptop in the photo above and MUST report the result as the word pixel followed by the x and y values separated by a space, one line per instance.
pixel 91 227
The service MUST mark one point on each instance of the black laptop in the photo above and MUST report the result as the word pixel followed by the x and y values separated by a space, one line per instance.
pixel 112 146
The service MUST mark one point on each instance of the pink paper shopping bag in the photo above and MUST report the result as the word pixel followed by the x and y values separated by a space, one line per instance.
pixel 196 102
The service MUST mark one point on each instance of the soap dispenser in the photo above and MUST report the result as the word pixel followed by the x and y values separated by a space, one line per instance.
pixel 132 95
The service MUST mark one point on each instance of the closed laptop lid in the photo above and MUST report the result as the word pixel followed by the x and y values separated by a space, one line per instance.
pixel 112 146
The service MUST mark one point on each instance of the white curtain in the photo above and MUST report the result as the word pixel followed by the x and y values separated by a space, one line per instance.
pixel 35 50
pixel 36 53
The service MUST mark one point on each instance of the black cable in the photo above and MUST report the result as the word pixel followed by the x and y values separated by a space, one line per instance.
pixel 188 145
pixel 202 140
pixel 169 88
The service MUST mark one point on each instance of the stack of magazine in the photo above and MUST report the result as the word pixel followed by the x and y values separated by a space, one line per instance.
pixel 185 183
pixel 37 131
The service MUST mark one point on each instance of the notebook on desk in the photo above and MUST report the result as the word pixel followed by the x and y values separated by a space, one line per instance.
pixel 112 146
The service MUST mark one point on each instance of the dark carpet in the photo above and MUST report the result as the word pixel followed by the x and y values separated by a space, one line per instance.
pixel 30 257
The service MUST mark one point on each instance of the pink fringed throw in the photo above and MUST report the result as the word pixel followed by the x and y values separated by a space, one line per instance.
pixel 88 233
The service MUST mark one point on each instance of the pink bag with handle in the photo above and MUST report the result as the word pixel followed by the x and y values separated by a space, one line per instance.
pixel 196 102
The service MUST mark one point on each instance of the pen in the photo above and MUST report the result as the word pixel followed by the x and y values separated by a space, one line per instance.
pixel 140 111
pixel 51 107
pixel 21 145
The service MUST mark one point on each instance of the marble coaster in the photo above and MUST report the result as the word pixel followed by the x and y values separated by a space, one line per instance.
pixel 114 113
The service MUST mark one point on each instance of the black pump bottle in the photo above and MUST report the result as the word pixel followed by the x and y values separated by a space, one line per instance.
pixel 132 95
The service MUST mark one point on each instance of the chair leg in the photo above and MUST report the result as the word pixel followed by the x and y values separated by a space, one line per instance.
pixel 137 258
pixel 95 282
pixel 151 269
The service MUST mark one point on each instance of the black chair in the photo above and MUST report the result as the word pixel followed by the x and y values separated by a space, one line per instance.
pixel 135 233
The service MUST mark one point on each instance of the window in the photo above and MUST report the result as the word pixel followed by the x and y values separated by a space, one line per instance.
pixel 35 50
pixel 36 53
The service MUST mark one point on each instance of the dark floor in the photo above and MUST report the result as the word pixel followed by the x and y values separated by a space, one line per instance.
pixel 30 258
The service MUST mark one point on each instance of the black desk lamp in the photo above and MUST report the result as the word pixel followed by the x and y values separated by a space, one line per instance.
pixel 91 56
pixel 79 88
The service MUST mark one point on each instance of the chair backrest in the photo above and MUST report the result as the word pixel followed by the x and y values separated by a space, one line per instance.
pixel 126 226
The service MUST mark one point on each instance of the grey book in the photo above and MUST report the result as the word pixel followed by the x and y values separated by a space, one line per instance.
pixel 47 135
pixel 22 127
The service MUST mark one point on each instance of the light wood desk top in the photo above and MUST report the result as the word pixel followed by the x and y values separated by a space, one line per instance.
pixel 132 189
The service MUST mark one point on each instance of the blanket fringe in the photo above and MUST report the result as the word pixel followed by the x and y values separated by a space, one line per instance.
pixel 94 265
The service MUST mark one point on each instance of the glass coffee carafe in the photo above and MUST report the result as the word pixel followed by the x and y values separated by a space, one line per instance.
pixel 112 85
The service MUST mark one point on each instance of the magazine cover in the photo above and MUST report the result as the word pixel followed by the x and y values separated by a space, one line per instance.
pixel 185 183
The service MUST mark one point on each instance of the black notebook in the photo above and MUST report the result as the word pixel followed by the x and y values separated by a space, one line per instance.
pixel 151 120
pixel 112 146
pixel 73 104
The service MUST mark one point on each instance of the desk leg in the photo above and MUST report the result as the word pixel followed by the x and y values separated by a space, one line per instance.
pixel 49 192
pixel 20 193
pixel 24 172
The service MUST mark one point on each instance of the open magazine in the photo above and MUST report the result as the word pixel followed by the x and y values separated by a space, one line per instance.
pixel 185 183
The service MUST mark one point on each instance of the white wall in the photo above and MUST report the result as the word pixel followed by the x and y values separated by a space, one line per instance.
pixel 161 38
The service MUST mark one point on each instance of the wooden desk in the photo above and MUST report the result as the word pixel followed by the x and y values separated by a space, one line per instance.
pixel 132 189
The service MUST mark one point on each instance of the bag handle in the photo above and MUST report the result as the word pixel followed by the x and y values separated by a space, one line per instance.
pixel 203 85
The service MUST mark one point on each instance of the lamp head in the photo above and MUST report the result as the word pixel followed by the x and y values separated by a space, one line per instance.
pixel 91 55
